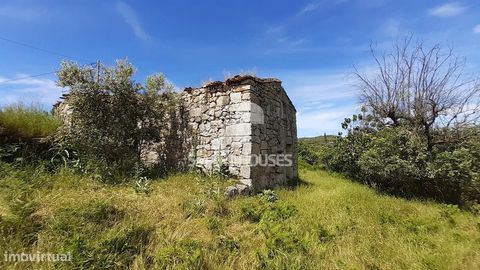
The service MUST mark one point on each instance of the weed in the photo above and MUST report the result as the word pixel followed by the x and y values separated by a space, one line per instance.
pixel 143 185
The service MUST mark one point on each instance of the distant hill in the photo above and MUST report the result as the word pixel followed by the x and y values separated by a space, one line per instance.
pixel 317 142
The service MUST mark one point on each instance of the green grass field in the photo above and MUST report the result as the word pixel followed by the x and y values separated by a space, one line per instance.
pixel 184 222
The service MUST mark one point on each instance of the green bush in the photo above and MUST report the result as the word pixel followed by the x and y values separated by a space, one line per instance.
pixel 113 117
pixel 397 161
pixel 307 154
pixel 394 162
pixel 458 171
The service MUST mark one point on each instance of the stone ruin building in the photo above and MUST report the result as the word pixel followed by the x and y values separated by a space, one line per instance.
pixel 244 126
pixel 240 123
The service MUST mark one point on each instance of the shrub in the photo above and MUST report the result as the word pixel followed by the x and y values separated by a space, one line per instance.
pixel 395 162
pixel 398 161
pixel 455 174
pixel 307 154
pixel 113 117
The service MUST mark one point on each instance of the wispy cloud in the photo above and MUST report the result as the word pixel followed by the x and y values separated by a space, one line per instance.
pixel 447 10
pixel 282 40
pixel 315 5
pixel 310 7
pixel 476 29
pixel 323 98
pixel 131 18
pixel 29 90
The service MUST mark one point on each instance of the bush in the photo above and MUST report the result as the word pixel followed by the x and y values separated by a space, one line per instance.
pixel 394 162
pixel 112 117
pixel 307 154
pixel 457 172
pixel 397 161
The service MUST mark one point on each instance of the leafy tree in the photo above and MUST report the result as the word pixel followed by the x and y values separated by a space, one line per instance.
pixel 111 116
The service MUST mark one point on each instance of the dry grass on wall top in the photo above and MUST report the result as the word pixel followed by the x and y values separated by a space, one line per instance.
pixel 27 122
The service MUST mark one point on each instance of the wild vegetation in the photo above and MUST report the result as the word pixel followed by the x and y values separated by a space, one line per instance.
pixel 112 116
pixel 19 121
pixel 24 133
pixel 85 191
pixel 185 222
pixel 418 133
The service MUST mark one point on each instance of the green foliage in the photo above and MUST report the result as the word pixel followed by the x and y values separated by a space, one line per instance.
pixel 142 185
pixel 307 153
pixel 284 248
pixel 397 160
pixel 268 195
pixel 20 122
pixel 458 169
pixel 112 116
pixel 394 161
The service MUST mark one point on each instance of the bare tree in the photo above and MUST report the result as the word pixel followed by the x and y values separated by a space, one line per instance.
pixel 421 86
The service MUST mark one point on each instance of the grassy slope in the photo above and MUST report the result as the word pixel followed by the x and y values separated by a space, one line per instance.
pixel 22 121
pixel 339 224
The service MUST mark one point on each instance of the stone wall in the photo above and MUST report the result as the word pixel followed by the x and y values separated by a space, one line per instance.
pixel 237 125
pixel 244 127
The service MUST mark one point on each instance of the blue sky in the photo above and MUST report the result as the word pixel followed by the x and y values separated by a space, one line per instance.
pixel 310 45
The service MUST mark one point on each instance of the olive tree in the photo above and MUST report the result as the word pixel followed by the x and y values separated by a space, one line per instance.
pixel 112 116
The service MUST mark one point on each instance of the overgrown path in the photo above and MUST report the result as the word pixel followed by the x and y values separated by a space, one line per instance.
pixel 184 222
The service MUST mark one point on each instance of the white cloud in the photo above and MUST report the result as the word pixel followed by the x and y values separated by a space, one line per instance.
pixel 313 6
pixel 29 90
pixel 280 39
pixel 131 18
pixel 310 7
pixel 324 121
pixel 476 29
pixel 322 99
pixel 447 10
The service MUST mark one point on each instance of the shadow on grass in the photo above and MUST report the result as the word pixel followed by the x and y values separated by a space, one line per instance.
pixel 296 183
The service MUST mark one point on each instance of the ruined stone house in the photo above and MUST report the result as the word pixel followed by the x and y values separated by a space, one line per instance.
pixel 244 126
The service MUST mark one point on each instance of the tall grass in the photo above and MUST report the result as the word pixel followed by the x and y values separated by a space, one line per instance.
pixel 27 121
pixel 186 223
